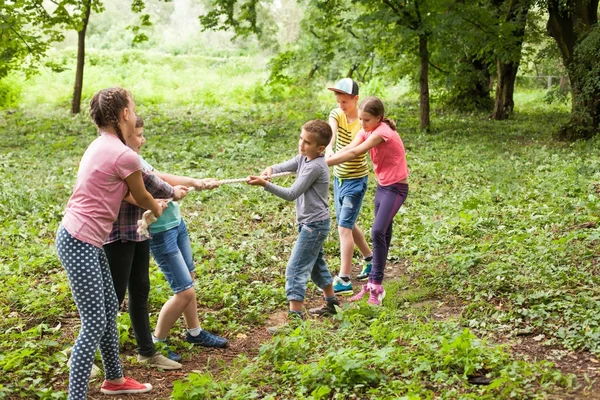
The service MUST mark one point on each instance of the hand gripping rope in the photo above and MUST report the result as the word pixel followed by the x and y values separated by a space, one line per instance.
pixel 148 217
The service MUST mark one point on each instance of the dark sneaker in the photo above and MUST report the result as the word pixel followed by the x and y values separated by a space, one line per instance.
pixel 164 347
pixel 207 340
pixel 342 287
pixel 366 271
pixel 326 310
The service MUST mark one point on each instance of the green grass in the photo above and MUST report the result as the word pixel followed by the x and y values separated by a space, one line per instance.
pixel 499 215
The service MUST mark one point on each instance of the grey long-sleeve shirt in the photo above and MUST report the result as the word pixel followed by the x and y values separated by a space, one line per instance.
pixel 310 189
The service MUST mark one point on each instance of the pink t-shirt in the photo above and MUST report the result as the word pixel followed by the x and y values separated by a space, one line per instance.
pixel 388 157
pixel 99 189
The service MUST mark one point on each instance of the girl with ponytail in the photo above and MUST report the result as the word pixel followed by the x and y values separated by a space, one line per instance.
pixel 378 136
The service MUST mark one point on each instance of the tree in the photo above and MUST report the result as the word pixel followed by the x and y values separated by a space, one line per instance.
pixel 27 31
pixel 507 63
pixel 574 26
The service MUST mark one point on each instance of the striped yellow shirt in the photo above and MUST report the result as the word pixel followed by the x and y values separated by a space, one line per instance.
pixel 358 167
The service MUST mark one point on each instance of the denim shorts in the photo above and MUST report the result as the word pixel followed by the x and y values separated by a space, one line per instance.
pixel 172 251
pixel 348 198
pixel 308 260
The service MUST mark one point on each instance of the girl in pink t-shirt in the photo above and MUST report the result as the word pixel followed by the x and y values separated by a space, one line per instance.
pixel 107 172
pixel 378 136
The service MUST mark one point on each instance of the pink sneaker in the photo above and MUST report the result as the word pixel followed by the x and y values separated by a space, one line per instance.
pixel 376 295
pixel 360 294
pixel 130 386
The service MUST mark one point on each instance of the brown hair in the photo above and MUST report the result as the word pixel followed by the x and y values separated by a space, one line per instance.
pixel 374 106
pixel 139 122
pixel 105 107
pixel 320 130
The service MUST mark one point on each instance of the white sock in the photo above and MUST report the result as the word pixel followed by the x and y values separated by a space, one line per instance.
pixel 157 340
pixel 345 277
pixel 195 331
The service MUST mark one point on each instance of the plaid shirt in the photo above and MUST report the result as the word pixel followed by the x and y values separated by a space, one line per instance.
pixel 125 227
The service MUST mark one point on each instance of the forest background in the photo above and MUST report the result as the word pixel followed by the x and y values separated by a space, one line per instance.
pixel 494 262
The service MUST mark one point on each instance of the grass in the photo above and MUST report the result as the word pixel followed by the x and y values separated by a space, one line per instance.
pixel 499 215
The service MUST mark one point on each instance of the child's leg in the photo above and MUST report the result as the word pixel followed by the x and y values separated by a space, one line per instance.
pixel 388 200
pixel 171 311
pixel 139 291
pixel 302 260
pixel 89 284
pixel 348 196
pixel 109 342
pixel 174 265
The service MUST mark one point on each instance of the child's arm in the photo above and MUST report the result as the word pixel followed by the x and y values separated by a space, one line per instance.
pixel 198 184
pixel 355 149
pixel 135 182
pixel 303 182
pixel 329 150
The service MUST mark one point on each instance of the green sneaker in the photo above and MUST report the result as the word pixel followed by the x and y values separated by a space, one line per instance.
pixel 342 288
pixel 366 271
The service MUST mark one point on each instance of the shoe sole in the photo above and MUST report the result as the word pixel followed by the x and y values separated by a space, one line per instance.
pixel 130 391
pixel 166 368
pixel 225 346
pixel 362 278
pixel 347 292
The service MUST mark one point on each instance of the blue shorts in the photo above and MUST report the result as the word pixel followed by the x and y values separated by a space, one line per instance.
pixel 172 251
pixel 348 199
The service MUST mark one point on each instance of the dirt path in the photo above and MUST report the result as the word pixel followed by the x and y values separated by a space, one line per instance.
pixel 584 365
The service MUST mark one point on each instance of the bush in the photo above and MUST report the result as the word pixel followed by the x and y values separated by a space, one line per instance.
pixel 10 92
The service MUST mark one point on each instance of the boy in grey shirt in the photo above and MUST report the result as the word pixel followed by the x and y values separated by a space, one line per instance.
pixel 310 191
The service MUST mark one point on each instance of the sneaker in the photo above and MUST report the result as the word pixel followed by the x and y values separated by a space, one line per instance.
pixel 366 271
pixel 342 287
pixel 360 294
pixel 326 310
pixel 376 296
pixel 164 347
pixel 159 361
pixel 207 340
pixel 130 386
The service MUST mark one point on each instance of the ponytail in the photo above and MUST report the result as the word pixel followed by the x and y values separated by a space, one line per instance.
pixel 390 123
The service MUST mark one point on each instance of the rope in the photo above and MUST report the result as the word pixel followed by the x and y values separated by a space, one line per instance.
pixel 148 218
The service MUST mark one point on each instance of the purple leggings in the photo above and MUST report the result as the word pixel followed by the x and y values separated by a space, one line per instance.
pixel 388 200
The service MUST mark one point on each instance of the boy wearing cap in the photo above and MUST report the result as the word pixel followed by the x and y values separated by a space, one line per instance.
pixel 350 184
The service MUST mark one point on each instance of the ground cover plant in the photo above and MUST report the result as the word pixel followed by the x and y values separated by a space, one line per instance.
pixel 501 219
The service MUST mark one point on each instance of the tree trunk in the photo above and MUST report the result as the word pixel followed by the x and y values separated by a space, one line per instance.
pixel 569 25
pixel 504 103
pixel 505 87
pixel 424 83
pixel 78 88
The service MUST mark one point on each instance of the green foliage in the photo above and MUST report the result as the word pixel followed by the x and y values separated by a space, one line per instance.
pixel 499 216
pixel 26 33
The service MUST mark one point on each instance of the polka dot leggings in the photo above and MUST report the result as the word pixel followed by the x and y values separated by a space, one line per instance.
pixel 94 294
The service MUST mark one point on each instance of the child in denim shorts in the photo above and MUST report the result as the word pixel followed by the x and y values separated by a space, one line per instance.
pixel 310 191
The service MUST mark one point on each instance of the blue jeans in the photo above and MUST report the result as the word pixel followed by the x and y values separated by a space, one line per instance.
pixel 348 196
pixel 307 260
pixel 172 251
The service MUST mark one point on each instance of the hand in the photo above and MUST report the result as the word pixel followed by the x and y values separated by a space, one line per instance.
pixel 161 206
pixel 266 174
pixel 256 181
pixel 210 183
pixel 179 192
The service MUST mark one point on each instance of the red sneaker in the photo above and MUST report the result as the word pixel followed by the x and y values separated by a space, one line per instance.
pixel 130 386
